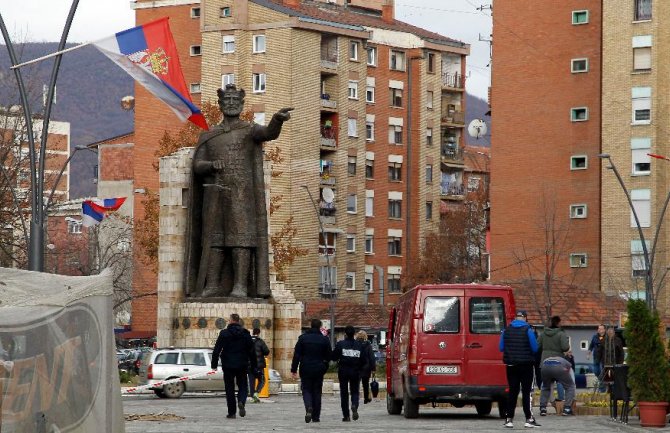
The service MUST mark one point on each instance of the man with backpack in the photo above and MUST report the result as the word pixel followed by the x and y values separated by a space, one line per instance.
pixel 351 361
pixel 261 351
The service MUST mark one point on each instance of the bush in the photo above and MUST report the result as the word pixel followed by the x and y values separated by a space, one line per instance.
pixel 125 376
pixel 648 375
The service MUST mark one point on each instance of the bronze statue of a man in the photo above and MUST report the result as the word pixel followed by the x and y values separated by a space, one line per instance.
pixel 227 233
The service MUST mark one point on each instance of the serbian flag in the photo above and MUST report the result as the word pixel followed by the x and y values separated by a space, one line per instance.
pixel 93 211
pixel 148 53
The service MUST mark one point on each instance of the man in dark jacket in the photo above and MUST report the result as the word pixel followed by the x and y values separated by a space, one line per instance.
pixel 312 354
pixel 519 346
pixel 236 350
pixel 261 351
pixel 349 355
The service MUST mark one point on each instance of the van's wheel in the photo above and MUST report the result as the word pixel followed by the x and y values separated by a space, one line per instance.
pixel 159 393
pixel 393 405
pixel 411 407
pixel 174 390
pixel 483 407
pixel 501 409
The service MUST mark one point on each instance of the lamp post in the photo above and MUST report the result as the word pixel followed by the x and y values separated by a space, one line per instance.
pixel 650 291
pixel 328 268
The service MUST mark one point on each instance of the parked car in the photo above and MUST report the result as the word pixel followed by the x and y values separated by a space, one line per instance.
pixel 171 363
pixel 581 371
pixel 131 361
pixel 443 347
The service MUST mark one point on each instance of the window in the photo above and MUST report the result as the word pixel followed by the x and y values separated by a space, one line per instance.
pixel 327 244
pixel 369 131
pixel 429 136
pixel 352 128
pixel 259 44
pixel 642 53
pixel 228 43
pixel 579 65
pixel 638 264
pixel 641 105
pixel 429 173
pixel 353 50
pixel 259 118
pixel 397 60
pixel 351 203
pixel 395 134
pixel 395 171
pixel 473 183
pixel 577 211
pixel 442 314
pixel 394 246
pixel 578 162
pixel 225 12
pixel 579 114
pixel 258 83
pixel 429 210
pixel 327 279
pixel 580 17
pixel 167 358
pixel 369 169
pixel 74 226
pixel 429 99
pixel 431 63
pixel 369 244
pixel 195 87
pixel 351 166
pixel 351 243
pixel 195 50
pixel 396 98
pixel 350 281
pixel 642 10
pixel 395 208
pixel 370 94
pixel 641 199
pixel 353 89
pixel 578 260
pixel 192 358
pixel 372 56
pixel 640 148
pixel 227 79
pixel 195 12
pixel 369 206
pixel 487 315
pixel 367 282
pixel 394 283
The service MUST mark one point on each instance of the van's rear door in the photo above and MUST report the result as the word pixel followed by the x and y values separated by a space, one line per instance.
pixel 485 313
pixel 440 337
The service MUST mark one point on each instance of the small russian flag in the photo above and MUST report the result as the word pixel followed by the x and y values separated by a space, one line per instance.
pixel 93 211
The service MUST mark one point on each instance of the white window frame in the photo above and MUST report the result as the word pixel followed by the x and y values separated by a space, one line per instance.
pixel 372 59
pixel 352 92
pixel 573 161
pixel 351 243
pixel 352 128
pixel 259 82
pixel 578 211
pixel 228 44
pixel 575 14
pixel 354 209
pixel 227 79
pixel 637 262
pixel 354 48
pixel 370 163
pixel 195 12
pixel 369 131
pixel 391 287
pixel 641 101
pixel 225 12
pixel 369 282
pixel 350 280
pixel 393 206
pixel 74 227
pixel 255 44
pixel 430 95
pixel 574 114
pixel 641 199
pixel 429 173
pixel 640 148
pixel 642 50
pixel 400 60
pixel 579 260
pixel 370 94
pixel 393 129
pixel 195 88
pixel 369 244
pixel 575 70
pixel 352 165
pixel 195 50
pixel 369 206
pixel 429 133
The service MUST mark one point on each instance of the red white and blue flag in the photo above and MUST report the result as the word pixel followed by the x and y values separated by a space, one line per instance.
pixel 93 211
pixel 148 53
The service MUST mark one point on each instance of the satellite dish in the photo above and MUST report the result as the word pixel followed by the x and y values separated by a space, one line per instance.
pixel 477 128
pixel 328 195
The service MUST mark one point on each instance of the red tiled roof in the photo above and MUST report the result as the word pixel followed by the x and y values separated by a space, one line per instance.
pixel 356 315
pixel 353 17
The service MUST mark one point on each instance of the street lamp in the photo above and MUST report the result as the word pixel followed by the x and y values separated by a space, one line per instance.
pixel 328 268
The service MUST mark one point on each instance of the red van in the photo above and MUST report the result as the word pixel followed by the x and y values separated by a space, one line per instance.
pixel 443 347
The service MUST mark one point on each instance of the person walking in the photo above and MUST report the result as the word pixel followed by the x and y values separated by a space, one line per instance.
pixel 235 348
pixel 261 351
pixel 593 353
pixel 368 354
pixel 349 355
pixel 554 343
pixel 519 345
pixel 311 355
pixel 609 353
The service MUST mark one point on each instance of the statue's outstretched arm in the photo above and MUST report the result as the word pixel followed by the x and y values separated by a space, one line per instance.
pixel 272 131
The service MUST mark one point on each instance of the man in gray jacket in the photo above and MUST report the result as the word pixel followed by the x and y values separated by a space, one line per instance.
pixel 554 344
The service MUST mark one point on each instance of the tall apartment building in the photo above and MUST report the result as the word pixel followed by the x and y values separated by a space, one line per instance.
pixel 375 140
pixel 546 102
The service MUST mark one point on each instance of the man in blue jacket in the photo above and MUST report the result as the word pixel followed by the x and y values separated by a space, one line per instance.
pixel 519 345
pixel 349 355
pixel 312 354
pixel 236 349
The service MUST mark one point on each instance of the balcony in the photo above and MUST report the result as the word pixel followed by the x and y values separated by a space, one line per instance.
pixel 454 119
pixel 327 180
pixel 327 209
pixel 328 136
pixel 452 190
pixel 452 154
pixel 453 80
pixel 328 103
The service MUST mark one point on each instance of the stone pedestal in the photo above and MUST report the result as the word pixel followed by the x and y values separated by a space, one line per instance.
pixel 183 322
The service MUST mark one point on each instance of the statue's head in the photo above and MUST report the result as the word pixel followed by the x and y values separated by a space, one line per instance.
pixel 231 100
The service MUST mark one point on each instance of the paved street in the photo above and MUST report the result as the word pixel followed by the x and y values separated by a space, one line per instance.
pixel 206 413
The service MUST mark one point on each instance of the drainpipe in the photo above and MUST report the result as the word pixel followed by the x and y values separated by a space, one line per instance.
pixel 381 284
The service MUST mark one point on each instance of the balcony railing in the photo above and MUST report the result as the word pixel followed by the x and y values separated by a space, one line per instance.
pixel 451 153
pixel 326 209
pixel 452 188
pixel 455 80
pixel 328 103
pixel 454 118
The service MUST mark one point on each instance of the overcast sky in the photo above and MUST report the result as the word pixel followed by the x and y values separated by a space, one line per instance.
pixel 43 20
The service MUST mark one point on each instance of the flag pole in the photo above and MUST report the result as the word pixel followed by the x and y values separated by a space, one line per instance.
pixel 48 56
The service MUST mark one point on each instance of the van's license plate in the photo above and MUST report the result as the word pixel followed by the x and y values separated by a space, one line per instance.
pixel 442 369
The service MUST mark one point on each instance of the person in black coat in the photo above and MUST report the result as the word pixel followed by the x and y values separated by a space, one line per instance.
pixel 261 351
pixel 311 354
pixel 236 349
pixel 351 360
pixel 370 367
